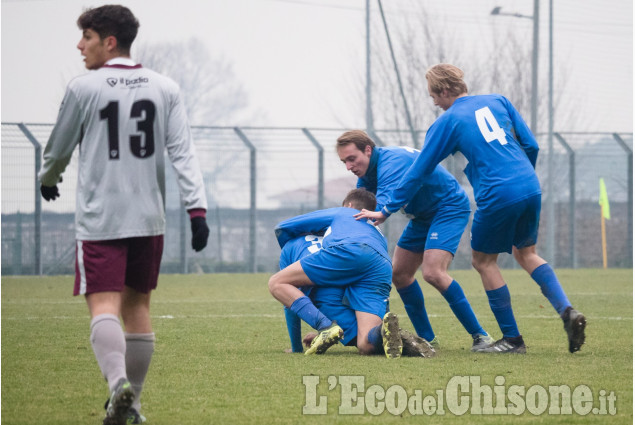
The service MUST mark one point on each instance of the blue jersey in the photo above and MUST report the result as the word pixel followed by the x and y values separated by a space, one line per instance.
pixel 500 149
pixel 298 248
pixel 387 166
pixel 338 226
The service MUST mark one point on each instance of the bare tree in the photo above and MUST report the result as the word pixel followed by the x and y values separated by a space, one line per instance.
pixel 500 63
pixel 211 91
pixel 213 96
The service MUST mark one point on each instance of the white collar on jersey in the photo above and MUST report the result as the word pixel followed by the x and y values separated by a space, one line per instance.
pixel 121 61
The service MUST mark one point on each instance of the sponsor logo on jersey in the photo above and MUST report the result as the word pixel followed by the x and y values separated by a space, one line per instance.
pixel 434 235
pixel 137 81
pixel 112 82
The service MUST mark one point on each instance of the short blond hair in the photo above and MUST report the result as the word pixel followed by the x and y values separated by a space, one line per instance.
pixel 445 76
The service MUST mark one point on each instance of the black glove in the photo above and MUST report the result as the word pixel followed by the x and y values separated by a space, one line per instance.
pixel 50 193
pixel 200 233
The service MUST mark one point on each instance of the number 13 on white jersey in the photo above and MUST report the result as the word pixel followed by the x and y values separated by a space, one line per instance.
pixel 489 126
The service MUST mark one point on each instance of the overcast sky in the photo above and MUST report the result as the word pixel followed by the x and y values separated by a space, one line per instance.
pixel 297 58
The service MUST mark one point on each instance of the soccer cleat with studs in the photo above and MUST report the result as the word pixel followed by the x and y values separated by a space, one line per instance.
pixel 415 346
pixel 325 339
pixel 505 345
pixel 135 417
pixel 574 324
pixel 391 336
pixel 119 403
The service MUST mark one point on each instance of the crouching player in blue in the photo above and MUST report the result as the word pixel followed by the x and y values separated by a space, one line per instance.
pixel 502 154
pixel 333 303
pixel 353 256
pixel 330 300
pixel 439 212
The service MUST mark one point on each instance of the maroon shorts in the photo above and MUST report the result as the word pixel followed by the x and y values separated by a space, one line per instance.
pixel 104 266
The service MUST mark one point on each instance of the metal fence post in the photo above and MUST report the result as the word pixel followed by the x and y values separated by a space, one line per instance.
pixel 37 213
pixel 629 189
pixel 320 149
pixel 572 251
pixel 252 198
pixel 376 138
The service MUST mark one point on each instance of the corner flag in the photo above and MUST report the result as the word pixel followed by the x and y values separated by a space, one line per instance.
pixel 604 201
pixel 606 215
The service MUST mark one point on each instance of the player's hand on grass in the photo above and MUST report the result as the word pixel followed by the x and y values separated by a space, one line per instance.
pixel 49 193
pixel 375 216
pixel 200 233
pixel 308 339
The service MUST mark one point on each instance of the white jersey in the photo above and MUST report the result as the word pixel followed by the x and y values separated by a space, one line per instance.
pixel 124 117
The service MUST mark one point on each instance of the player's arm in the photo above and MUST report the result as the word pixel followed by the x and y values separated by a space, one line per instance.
pixel 315 222
pixel 523 133
pixel 389 173
pixel 436 147
pixel 65 136
pixel 182 154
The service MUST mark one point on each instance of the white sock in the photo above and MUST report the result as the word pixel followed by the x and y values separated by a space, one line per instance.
pixel 139 349
pixel 109 345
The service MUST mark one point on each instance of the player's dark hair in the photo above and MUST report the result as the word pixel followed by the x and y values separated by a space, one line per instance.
pixel 358 137
pixel 445 76
pixel 111 20
pixel 360 199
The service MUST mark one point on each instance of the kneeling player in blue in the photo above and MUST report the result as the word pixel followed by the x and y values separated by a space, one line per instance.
pixel 354 257
pixel 332 302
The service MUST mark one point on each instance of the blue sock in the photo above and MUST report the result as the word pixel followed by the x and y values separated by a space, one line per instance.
pixel 550 287
pixel 374 337
pixel 501 304
pixel 294 326
pixel 462 309
pixel 412 298
pixel 307 311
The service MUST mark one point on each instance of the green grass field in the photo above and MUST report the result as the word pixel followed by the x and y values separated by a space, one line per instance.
pixel 219 355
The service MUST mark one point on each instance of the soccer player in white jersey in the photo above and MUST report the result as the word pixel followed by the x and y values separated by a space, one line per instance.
pixel 124 117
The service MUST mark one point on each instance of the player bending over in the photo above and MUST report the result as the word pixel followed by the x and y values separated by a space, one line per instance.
pixel 438 212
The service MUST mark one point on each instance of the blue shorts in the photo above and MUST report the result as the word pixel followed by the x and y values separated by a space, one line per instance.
pixel 516 225
pixel 333 303
pixel 366 274
pixel 444 231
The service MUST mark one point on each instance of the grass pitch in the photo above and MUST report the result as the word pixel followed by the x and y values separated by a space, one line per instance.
pixel 219 357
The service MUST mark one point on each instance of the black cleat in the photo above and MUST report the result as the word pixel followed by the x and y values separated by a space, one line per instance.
pixel 574 324
pixel 506 345
pixel 119 404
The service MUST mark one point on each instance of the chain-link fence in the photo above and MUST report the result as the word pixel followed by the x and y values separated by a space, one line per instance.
pixel 256 177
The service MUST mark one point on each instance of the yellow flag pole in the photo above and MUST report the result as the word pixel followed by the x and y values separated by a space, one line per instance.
pixel 604 261
pixel 606 215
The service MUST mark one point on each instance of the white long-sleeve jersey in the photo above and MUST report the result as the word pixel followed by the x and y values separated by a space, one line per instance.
pixel 124 117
